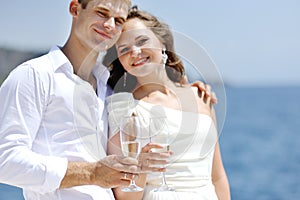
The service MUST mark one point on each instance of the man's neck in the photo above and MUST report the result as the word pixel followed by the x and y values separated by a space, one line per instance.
pixel 82 59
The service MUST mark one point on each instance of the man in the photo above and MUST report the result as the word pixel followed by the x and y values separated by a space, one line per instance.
pixel 51 108
pixel 43 112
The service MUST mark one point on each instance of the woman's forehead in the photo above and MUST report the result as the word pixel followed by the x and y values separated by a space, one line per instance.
pixel 133 24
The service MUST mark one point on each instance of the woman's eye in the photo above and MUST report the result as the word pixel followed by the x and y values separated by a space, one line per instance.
pixel 124 50
pixel 142 41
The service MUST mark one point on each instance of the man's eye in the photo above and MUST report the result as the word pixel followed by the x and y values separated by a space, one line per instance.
pixel 101 14
pixel 119 22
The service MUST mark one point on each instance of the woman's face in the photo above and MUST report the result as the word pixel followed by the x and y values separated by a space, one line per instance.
pixel 137 47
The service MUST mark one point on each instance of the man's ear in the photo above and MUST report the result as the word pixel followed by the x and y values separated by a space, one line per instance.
pixel 74 8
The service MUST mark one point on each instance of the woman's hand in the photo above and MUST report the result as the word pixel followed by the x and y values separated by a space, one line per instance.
pixel 150 161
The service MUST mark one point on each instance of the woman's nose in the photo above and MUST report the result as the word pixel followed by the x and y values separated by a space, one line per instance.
pixel 135 51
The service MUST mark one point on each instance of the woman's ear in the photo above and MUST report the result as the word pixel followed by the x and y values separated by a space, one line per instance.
pixel 73 8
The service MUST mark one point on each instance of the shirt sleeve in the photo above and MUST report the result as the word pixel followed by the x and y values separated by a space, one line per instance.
pixel 23 98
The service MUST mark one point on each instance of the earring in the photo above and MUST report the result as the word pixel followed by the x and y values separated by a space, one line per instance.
pixel 125 79
pixel 164 56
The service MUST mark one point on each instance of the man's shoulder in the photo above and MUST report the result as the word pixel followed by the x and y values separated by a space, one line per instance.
pixel 35 62
pixel 48 61
pixel 39 67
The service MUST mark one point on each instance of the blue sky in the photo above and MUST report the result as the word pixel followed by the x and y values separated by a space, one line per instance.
pixel 254 42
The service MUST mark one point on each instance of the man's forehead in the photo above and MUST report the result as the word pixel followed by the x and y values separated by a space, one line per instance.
pixel 116 7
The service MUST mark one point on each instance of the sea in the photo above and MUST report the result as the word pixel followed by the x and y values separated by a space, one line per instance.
pixel 260 144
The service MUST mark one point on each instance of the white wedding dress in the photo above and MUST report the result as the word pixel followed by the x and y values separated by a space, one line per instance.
pixel 193 147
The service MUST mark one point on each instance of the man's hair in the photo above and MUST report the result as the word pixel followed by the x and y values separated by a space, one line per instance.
pixel 85 2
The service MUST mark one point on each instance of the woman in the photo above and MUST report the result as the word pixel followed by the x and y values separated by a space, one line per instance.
pixel 149 70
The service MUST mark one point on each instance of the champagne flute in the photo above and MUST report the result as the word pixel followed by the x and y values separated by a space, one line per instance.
pixel 130 134
pixel 159 133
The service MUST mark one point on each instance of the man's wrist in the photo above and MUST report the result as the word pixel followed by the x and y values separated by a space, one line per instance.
pixel 79 173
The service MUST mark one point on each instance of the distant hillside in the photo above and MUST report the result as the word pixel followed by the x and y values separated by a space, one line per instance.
pixel 10 58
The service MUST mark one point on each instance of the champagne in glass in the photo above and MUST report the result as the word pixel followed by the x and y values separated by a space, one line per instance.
pixel 131 148
pixel 130 134
pixel 159 133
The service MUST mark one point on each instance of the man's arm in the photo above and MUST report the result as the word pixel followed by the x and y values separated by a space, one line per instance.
pixel 97 173
pixel 22 97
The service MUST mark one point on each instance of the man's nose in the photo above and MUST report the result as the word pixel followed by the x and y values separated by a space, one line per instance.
pixel 109 24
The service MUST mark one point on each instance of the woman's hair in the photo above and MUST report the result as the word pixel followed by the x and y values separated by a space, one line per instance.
pixel 85 2
pixel 174 66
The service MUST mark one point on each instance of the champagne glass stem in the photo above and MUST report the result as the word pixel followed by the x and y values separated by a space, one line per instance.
pixel 132 183
pixel 164 186
pixel 164 183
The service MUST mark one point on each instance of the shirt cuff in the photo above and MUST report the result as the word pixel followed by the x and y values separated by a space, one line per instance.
pixel 56 169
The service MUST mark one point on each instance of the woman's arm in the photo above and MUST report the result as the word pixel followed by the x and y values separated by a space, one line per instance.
pixel 219 177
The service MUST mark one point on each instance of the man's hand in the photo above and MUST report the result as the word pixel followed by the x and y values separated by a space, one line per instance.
pixel 207 90
pixel 110 172
pixel 114 171
pixel 121 163
pixel 202 88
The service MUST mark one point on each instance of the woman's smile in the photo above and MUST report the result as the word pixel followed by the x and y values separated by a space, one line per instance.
pixel 140 62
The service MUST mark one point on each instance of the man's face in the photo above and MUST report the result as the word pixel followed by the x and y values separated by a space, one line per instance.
pixel 100 24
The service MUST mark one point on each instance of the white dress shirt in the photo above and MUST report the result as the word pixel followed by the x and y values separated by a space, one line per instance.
pixel 49 116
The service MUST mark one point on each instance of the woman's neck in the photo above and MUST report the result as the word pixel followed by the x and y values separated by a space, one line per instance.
pixel 148 86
